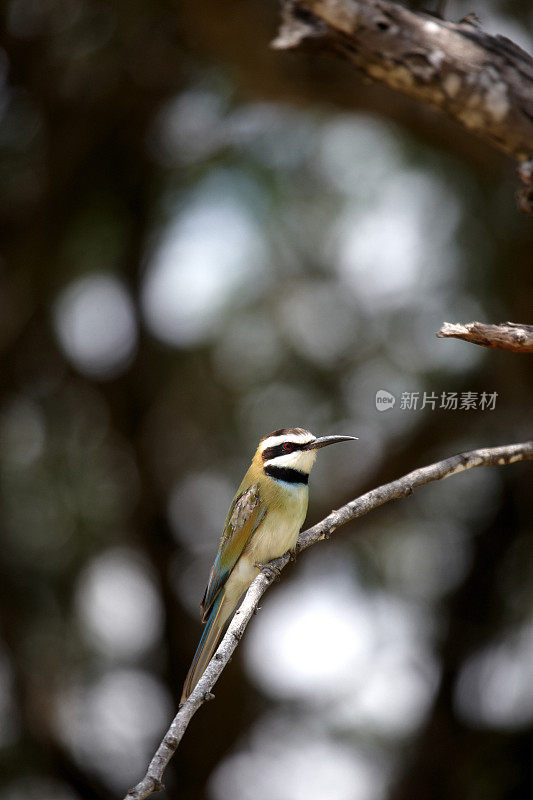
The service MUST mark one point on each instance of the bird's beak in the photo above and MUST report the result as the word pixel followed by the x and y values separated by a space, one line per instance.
pixel 323 441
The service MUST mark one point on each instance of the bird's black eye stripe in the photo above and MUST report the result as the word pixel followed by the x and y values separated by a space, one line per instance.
pixel 281 450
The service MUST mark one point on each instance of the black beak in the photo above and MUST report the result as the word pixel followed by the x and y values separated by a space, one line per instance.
pixel 323 441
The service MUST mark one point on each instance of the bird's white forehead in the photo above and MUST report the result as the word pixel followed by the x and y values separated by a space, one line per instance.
pixel 299 438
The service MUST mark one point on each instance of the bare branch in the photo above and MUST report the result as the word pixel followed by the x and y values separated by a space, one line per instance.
pixel 484 82
pixel 508 454
pixel 505 336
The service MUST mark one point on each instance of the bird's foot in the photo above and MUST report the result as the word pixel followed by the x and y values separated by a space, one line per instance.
pixel 274 571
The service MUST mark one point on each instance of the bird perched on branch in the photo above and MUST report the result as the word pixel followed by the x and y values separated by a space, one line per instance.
pixel 263 523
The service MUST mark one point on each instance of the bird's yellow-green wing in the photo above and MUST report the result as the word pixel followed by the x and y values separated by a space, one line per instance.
pixel 244 517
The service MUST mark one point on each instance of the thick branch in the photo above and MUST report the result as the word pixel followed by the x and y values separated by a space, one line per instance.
pixel 508 454
pixel 505 336
pixel 484 82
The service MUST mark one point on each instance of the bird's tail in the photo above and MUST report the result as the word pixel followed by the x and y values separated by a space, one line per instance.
pixel 208 643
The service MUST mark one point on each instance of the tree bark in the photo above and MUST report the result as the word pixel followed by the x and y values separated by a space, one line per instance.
pixel 505 336
pixel 484 82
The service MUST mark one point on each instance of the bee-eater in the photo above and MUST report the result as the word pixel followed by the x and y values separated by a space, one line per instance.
pixel 263 523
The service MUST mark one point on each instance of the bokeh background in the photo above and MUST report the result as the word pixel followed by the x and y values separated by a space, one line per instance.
pixel 204 240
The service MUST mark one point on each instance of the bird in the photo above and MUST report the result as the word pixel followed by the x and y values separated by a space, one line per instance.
pixel 263 523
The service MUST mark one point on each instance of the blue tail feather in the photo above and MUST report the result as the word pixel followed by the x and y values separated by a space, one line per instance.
pixel 206 647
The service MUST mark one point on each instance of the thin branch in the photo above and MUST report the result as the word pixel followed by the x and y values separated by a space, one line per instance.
pixel 508 454
pixel 505 336
pixel 484 82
